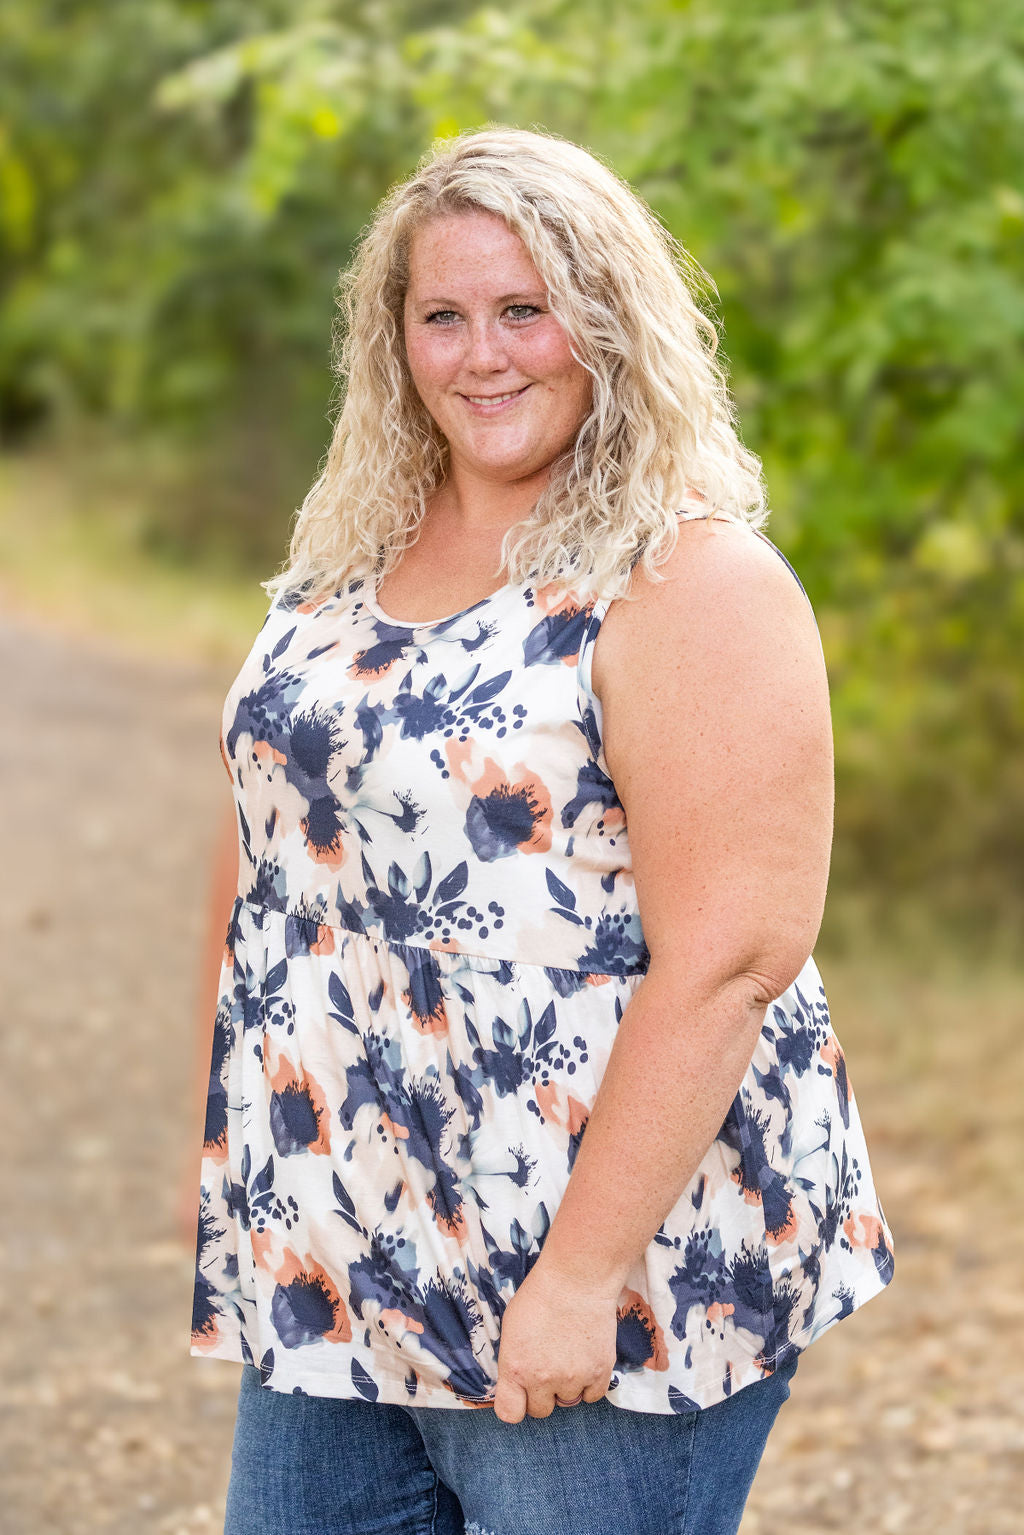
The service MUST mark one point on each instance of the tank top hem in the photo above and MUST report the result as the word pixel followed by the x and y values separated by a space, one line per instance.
pixel 641 1391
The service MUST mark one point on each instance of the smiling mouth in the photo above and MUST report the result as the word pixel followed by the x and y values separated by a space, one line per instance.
pixel 495 399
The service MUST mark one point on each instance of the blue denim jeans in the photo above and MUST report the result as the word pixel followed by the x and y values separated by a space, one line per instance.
pixel 311 1465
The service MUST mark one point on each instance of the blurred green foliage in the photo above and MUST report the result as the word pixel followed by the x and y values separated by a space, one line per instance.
pixel 181 181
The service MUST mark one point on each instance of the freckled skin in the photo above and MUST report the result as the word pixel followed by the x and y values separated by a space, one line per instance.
pixel 465 336
pixel 477 324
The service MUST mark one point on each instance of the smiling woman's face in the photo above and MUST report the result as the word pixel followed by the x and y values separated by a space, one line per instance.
pixel 490 362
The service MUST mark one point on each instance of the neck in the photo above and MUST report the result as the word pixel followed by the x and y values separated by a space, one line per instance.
pixel 470 502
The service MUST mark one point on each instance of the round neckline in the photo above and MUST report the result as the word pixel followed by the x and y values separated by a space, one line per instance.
pixel 369 596
pixel 371 602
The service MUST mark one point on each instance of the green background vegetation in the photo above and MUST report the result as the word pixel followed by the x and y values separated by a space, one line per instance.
pixel 181 182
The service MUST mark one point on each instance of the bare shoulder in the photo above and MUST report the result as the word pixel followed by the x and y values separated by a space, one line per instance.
pixel 709 663
pixel 725 595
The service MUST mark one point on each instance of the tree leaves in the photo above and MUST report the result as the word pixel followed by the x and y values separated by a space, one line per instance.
pixel 849 176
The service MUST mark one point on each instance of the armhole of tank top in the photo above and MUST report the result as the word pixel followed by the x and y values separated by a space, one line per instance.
pixel 691 516
pixel 588 702
pixel 766 540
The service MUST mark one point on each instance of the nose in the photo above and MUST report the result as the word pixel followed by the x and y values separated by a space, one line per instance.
pixel 486 351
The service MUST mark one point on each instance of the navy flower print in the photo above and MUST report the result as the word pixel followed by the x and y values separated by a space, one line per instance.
pixel 434 940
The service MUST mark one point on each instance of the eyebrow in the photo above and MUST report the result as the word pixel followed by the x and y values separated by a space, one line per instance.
pixel 505 298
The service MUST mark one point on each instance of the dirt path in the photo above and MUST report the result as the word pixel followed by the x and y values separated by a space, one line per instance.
pixel 905 1420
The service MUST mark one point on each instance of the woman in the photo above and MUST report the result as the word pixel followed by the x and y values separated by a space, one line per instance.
pixel 524 1096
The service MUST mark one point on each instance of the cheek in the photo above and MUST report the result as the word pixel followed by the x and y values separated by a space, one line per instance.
pixel 554 359
pixel 575 387
pixel 427 362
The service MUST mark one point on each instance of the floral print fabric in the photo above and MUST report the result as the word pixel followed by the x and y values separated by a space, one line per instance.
pixel 434 938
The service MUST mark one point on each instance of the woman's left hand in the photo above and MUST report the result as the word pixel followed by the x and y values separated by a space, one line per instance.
pixel 557 1339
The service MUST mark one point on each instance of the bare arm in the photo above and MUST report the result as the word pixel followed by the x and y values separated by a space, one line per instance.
pixel 223 883
pixel 717 733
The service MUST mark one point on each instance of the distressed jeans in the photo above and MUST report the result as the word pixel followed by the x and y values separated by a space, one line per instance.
pixel 310 1465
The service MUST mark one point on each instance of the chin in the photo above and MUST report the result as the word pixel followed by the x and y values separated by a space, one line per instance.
pixel 511 469
pixel 517 457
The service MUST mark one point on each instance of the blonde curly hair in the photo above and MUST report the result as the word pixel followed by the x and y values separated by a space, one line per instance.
pixel 661 430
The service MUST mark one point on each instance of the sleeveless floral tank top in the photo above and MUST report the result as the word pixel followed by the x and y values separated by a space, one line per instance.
pixel 435 936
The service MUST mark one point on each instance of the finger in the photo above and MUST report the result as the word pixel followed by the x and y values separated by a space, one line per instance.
pixel 541 1403
pixel 509 1401
pixel 596 1389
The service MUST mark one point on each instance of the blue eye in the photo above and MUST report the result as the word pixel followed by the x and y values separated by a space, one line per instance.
pixel 515 312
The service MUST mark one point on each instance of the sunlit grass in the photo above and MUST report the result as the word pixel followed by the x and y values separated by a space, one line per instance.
pixel 72 556
pixel 927 1039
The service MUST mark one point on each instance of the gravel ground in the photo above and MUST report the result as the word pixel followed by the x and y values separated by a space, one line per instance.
pixel 905 1420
